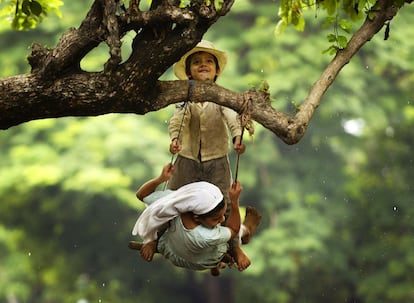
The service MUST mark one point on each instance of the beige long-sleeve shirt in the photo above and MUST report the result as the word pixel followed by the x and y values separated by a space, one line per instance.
pixel 205 130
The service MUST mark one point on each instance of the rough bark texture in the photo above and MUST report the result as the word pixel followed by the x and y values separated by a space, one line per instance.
pixel 57 87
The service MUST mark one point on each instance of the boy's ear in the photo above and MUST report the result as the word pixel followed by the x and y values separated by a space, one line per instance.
pixel 218 71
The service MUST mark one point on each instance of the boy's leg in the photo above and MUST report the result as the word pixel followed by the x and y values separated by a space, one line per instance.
pixel 216 270
pixel 251 221
pixel 218 172
pixel 185 171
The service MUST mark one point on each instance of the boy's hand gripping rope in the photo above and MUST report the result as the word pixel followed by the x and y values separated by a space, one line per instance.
pixel 189 94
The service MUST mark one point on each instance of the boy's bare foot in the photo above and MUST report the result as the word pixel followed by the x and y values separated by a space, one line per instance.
pixel 216 270
pixel 148 250
pixel 135 245
pixel 227 259
pixel 242 260
pixel 251 221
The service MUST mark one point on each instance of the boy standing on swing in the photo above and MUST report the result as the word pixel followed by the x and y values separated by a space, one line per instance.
pixel 199 132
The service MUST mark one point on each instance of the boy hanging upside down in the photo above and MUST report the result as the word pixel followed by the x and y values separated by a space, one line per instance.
pixel 185 225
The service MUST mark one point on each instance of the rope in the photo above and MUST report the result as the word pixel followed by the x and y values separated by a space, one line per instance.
pixel 246 123
pixel 184 106
pixel 238 159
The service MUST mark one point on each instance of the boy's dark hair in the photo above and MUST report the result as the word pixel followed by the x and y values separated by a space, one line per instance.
pixel 218 207
pixel 188 60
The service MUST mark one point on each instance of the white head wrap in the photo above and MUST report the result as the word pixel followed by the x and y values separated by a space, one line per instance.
pixel 198 197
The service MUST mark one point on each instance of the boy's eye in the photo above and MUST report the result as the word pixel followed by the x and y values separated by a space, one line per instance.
pixel 198 61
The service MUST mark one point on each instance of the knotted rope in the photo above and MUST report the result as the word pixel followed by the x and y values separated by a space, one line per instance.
pixel 246 123
pixel 184 106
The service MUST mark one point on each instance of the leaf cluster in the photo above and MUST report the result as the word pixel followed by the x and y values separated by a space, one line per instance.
pixel 26 14
pixel 339 14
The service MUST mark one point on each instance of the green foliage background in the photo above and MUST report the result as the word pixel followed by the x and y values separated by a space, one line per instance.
pixel 337 207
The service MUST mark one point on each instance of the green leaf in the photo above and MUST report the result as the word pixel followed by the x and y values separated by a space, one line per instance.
pixel 329 21
pixel 184 3
pixel 371 15
pixel 331 50
pixel 300 23
pixel 36 8
pixel 280 27
pixel 342 41
pixel 218 4
pixel 331 38
pixel 345 25
pixel 331 6
pixel 26 7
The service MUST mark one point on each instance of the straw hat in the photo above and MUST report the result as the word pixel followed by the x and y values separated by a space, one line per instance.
pixel 202 46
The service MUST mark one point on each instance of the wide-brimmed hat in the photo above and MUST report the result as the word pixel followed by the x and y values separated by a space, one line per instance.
pixel 202 46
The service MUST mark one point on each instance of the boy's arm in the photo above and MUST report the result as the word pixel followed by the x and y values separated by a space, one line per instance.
pixel 176 121
pixel 233 221
pixel 235 127
pixel 232 120
pixel 151 185
pixel 176 125
pixel 238 145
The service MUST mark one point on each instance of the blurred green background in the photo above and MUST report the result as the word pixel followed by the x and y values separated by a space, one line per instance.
pixel 338 217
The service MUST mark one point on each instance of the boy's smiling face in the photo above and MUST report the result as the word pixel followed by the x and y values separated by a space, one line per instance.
pixel 203 67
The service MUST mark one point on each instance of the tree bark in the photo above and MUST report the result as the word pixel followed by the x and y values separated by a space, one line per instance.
pixel 57 87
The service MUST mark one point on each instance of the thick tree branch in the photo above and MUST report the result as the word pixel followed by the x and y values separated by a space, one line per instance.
pixel 385 11
pixel 82 99
pixel 160 14
pixel 73 46
pixel 113 40
pixel 57 88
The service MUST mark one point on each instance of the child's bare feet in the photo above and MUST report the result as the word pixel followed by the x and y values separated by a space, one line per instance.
pixel 228 259
pixel 216 270
pixel 148 250
pixel 251 221
pixel 135 245
pixel 242 260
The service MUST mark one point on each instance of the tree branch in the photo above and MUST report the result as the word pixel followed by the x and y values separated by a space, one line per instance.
pixel 132 87
pixel 385 11
pixel 114 38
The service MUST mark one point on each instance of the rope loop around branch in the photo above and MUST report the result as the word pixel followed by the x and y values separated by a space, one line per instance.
pixel 245 115
pixel 246 123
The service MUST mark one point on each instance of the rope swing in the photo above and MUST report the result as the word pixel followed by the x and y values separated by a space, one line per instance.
pixel 246 123
pixel 244 116
pixel 184 106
